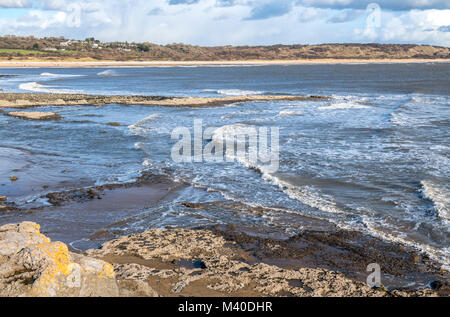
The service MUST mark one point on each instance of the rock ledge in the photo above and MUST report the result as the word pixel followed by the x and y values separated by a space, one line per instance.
pixel 31 265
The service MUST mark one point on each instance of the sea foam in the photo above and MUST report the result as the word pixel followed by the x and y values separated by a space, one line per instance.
pixel 36 87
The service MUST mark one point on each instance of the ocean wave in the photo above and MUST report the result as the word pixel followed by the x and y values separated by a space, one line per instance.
pixel 343 106
pixel 425 99
pixel 234 92
pixel 138 128
pixel 307 195
pixel 399 119
pixel 439 255
pixel 286 113
pixel 313 197
pixel 36 87
pixel 108 73
pixel 233 132
pixel 59 75
pixel 439 194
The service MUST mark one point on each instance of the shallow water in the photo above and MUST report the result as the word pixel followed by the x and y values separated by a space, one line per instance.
pixel 376 157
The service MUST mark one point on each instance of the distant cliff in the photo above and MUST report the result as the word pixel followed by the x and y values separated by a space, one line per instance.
pixel 20 48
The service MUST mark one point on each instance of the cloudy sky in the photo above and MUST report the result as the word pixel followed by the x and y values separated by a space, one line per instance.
pixel 232 22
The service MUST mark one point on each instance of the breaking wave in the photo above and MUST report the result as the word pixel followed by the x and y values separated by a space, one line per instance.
pixel 343 106
pixel 59 75
pixel 138 128
pixel 234 92
pixel 286 113
pixel 440 196
pixel 36 87
pixel 108 73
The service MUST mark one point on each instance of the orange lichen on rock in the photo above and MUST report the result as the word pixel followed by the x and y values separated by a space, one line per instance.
pixel 32 265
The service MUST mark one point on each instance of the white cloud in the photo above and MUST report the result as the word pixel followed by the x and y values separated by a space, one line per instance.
pixel 222 22
pixel 15 3
pixel 416 26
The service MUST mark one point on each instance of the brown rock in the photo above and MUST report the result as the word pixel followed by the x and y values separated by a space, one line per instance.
pixel 32 265
pixel 34 115
pixel 168 261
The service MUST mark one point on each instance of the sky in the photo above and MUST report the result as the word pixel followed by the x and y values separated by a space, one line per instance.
pixel 232 22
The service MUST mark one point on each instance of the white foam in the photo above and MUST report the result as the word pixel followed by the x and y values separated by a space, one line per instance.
pixel 234 92
pixel 108 73
pixel 147 163
pixel 307 195
pixel 399 119
pixel 439 194
pixel 59 75
pixel 233 132
pixel 286 113
pixel 36 87
pixel 138 128
pixel 343 106
pixel 439 255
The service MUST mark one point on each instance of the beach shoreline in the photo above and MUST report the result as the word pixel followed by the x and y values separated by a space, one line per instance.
pixel 105 63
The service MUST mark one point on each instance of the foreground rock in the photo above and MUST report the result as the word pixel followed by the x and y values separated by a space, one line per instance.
pixel 32 265
pixel 29 100
pixel 172 262
pixel 178 262
pixel 35 115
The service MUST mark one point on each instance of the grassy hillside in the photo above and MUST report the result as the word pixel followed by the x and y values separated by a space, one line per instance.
pixel 20 48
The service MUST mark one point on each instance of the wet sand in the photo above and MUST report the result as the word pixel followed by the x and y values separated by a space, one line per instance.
pixel 79 217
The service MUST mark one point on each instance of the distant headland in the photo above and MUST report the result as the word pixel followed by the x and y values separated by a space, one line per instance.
pixel 51 50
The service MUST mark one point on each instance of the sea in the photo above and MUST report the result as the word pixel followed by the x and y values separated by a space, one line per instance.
pixel 374 157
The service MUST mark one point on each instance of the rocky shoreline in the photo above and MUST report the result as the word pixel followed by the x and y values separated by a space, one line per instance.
pixel 30 100
pixel 223 260
pixel 169 262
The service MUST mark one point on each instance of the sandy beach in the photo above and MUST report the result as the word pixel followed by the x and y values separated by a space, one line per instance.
pixel 94 63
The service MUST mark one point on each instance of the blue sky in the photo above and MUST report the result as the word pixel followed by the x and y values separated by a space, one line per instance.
pixel 232 22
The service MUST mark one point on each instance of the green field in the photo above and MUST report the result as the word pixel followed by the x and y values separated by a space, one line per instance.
pixel 23 52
